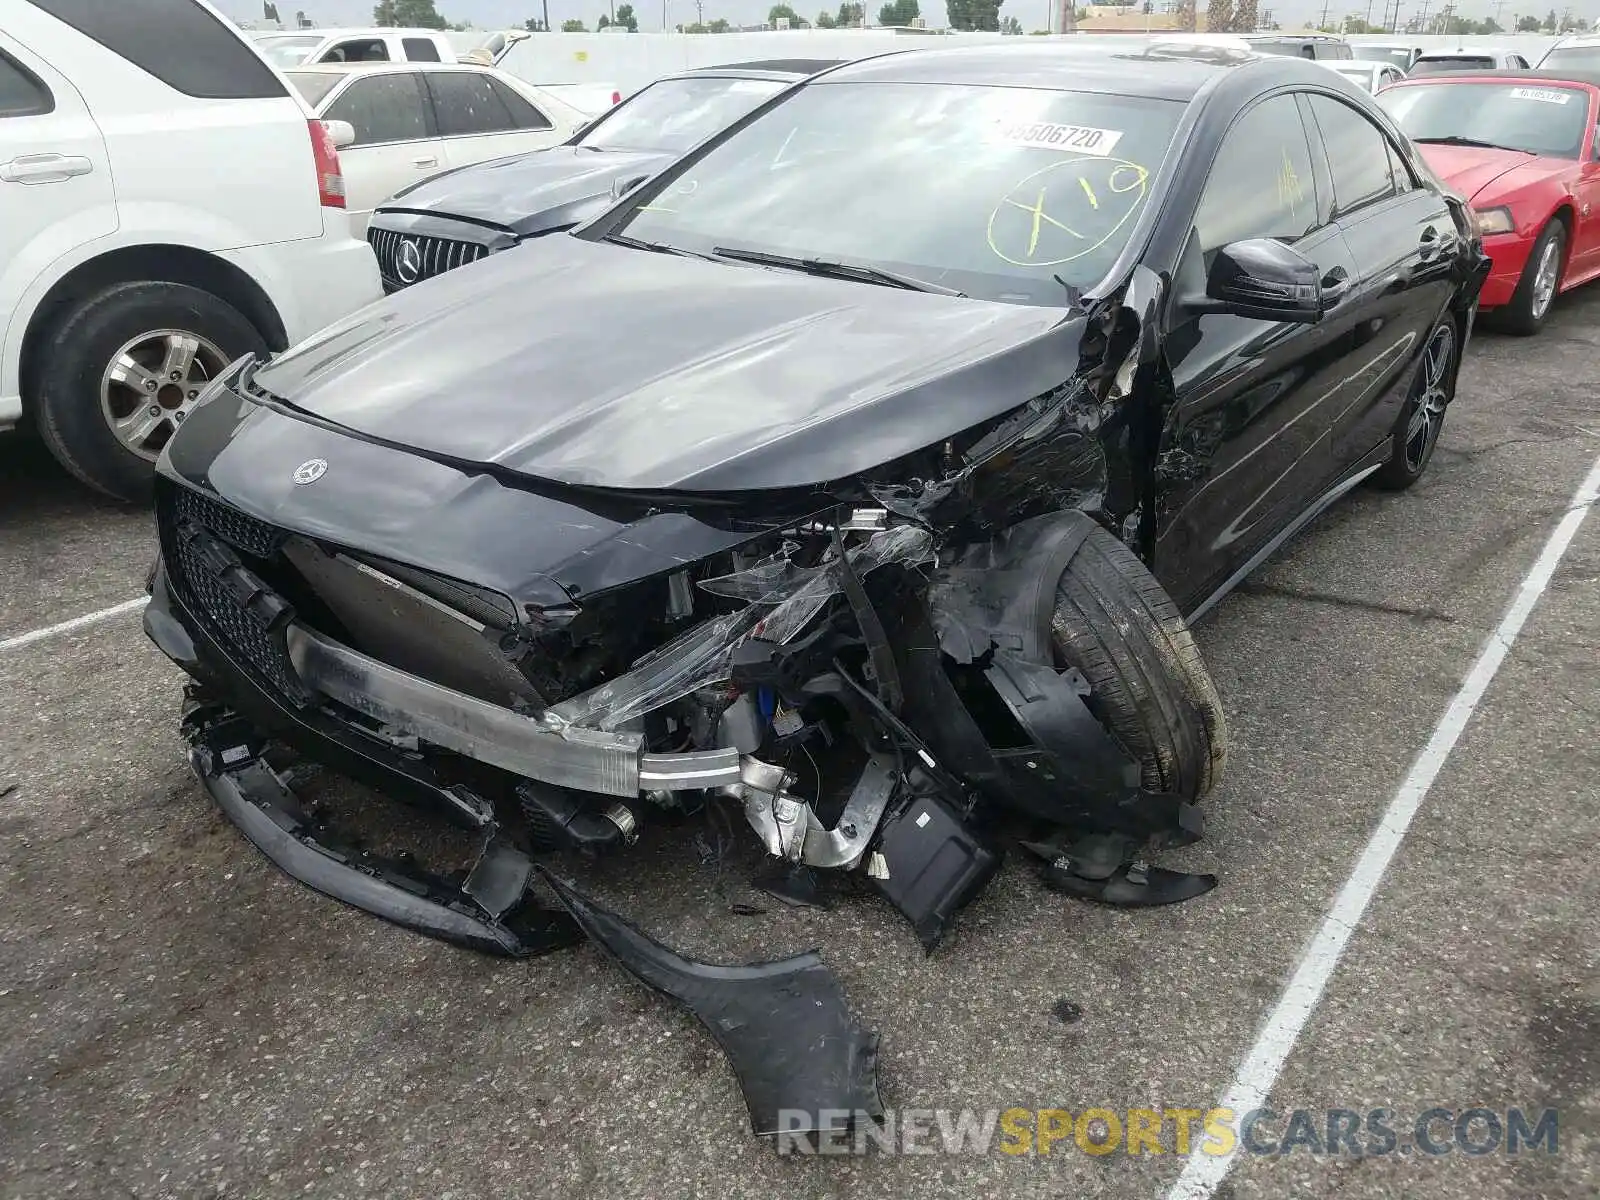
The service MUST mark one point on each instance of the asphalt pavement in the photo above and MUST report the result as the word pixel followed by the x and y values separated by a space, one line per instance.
pixel 181 1020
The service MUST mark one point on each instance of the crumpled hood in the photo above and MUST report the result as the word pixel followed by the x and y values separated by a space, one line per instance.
pixel 517 193
pixel 1484 176
pixel 595 364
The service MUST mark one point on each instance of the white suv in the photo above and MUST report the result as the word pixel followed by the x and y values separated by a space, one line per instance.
pixel 167 203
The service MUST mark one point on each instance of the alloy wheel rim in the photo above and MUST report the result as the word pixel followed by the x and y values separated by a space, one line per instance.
pixel 1544 281
pixel 152 383
pixel 1429 397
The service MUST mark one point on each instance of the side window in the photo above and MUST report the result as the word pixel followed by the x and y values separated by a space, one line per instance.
pixel 1358 153
pixel 523 114
pixel 1398 171
pixel 179 42
pixel 1261 184
pixel 366 50
pixel 466 104
pixel 383 108
pixel 420 49
pixel 21 92
pixel 1519 62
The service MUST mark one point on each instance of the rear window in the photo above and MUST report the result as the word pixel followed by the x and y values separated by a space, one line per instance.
pixel 313 85
pixel 287 50
pixel 177 41
pixel 1443 66
pixel 420 49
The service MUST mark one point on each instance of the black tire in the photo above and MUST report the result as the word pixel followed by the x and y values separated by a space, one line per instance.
pixel 1416 429
pixel 1523 316
pixel 77 352
pixel 1117 625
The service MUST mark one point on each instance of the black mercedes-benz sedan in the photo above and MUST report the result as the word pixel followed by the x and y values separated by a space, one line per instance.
pixel 460 216
pixel 855 476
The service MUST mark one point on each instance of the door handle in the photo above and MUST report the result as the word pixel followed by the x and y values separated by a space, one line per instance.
pixel 1335 286
pixel 44 168
pixel 425 161
pixel 1432 242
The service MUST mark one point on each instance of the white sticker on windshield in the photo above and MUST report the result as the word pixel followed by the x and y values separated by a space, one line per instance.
pixel 1543 95
pixel 1046 135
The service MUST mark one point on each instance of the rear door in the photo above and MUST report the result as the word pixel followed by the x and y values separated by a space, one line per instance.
pixel 1245 449
pixel 396 142
pixel 1402 238
pixel 481 118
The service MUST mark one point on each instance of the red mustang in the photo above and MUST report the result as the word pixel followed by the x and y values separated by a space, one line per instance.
pixel 1522 148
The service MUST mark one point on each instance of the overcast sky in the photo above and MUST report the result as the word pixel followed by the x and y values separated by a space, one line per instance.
pixel 501 14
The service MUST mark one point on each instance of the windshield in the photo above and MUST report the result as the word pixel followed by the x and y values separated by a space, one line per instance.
pixel 1002 193
pixel 286 51
pixel 1568 58
pixel 676 114
pixel 1443 66
pixel 313 85
pixel 1548 119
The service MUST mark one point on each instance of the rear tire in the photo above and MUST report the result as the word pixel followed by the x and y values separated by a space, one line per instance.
pixel 1114 623
pixel 1540 283
pixel 77 410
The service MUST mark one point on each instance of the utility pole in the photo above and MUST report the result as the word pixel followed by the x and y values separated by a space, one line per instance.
pixel 1323 23
pixel 1422 18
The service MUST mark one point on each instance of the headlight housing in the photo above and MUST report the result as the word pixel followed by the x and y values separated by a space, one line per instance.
pixel 1494 220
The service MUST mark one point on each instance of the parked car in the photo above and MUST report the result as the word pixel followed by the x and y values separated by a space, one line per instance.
pixel 1369 76
pixel 1398 54
pixel 1477 58
pixel 1577 52
pixel 464 215
pixel 1301 45
pixel 307 48
pixel 1523 148
pixel 167 204
pixel 398 124
pixel 856 472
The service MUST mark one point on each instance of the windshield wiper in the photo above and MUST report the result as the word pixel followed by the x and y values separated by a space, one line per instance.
pixel 833 269
pixel 1457 140
pixel 633 243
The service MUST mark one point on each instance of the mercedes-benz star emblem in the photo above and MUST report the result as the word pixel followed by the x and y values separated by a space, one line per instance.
pixel 310 471
pixel 408 262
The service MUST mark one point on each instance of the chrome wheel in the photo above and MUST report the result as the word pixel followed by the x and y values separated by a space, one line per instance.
pixel 1429 396
pixel 1547 274
pixel 152 383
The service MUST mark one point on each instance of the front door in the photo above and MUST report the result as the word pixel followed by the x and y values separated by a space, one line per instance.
pixel 1245 447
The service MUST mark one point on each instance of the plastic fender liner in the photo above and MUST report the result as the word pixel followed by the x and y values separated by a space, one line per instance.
pixel 784 1025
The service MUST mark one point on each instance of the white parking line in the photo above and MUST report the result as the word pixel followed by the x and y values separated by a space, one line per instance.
pixel 50 631
pixel 1259 1071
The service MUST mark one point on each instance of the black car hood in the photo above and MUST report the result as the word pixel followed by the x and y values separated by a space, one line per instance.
pixel 599 365
pixel 528 193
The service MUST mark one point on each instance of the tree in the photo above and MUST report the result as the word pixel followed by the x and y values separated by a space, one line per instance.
pixel 980 15
pixel 1527 24
pixel 1012 26
pixel 899 12
pixel 408 14
pixel 573 25
pixel 1551 25
pixel 1219 16
pixel 849 15
pixel 534 25
pixel 720 25
pixel 782 12
pixel 825 20
pixel 626 18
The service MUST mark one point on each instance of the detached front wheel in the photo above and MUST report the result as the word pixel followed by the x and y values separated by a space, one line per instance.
pixel 1117 625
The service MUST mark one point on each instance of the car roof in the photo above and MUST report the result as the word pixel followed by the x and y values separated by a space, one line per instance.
pixel 1159 72
pixel 350 31
pixel 1468 52
pixel 386 67
pixel 1572 78
pixel 767 68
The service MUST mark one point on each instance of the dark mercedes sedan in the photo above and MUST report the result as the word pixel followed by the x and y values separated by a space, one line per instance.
pixel 461 216
pixel 854 478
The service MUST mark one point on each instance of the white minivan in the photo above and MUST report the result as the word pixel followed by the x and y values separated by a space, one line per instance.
pixel 167 203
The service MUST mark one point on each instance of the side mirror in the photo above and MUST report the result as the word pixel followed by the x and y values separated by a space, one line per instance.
pixel 342 132
pixel 1263 279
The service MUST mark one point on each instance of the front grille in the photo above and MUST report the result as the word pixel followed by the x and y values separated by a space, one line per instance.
pixel 407 258
pixel 236 607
